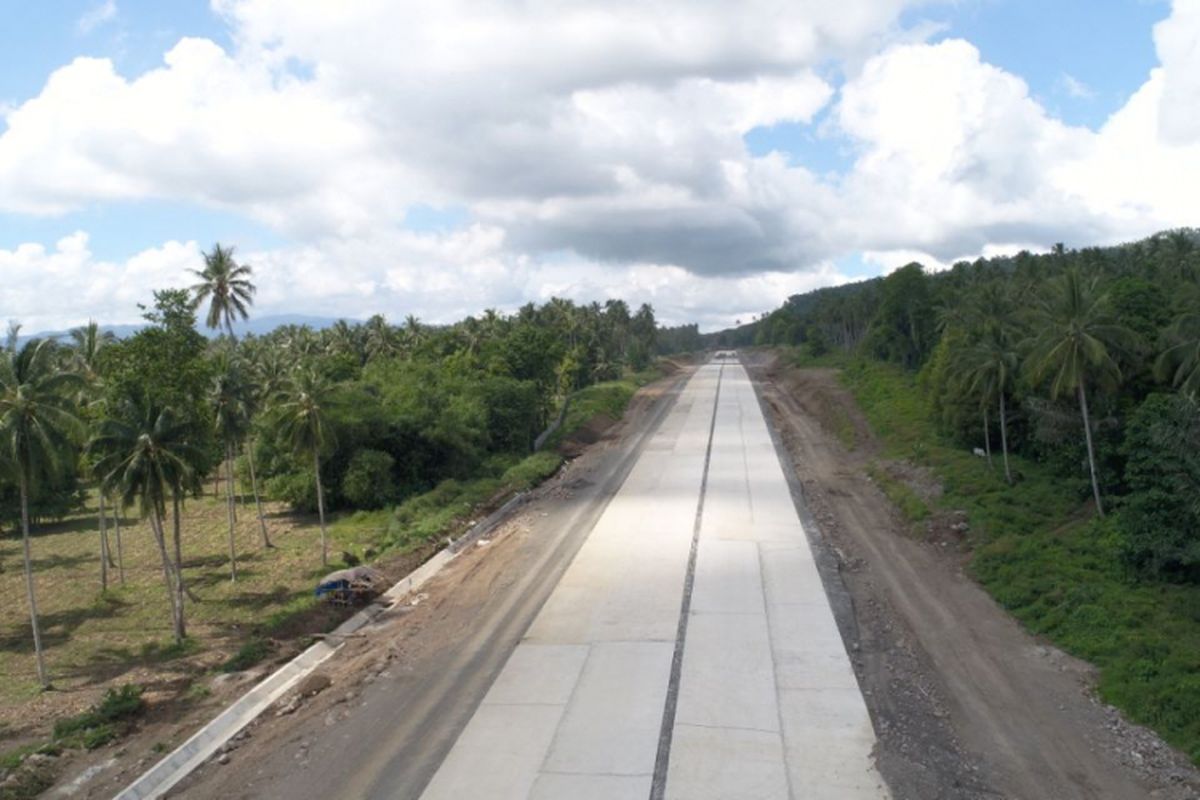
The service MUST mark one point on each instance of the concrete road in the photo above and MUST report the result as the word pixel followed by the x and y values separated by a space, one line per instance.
pixel 689 650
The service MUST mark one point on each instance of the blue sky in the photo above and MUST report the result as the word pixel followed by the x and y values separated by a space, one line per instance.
pixel 486 173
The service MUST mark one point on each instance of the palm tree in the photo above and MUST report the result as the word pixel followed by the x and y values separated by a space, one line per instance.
pixel 1180 361
pixel 414 332
pixel 231 419
pixel 149 454
pixel 87 342
pixel 989 370
pixel 36 428
pixel 378 338
pixel 226 285
pixel 13 336
pixel 1074 337
pixel 302 420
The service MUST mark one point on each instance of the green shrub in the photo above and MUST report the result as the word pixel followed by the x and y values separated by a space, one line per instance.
pixel 249 654
pixel 369 482
pixel 106 721
pixel 295 488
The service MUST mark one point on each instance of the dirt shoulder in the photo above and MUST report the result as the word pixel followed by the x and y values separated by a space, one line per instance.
pixel 387 707
pixel 965 702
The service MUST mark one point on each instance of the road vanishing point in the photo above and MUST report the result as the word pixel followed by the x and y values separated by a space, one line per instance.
pixel 689 650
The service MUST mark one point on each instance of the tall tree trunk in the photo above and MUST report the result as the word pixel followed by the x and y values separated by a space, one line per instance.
pixel 1004 440
pixel 987 438
pixel 230 492
pixel 229 509
pixel 120 552
pixel 262 520
pixel 1087 432
pixel 103 546
pixel 182 589
pixel 321 510
pixel 156 524
pixel 33 612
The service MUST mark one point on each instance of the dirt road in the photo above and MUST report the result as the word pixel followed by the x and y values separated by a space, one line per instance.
pixel 396 701
pixel 965 702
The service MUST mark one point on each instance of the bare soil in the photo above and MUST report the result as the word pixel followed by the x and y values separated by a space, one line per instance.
pixel 966 703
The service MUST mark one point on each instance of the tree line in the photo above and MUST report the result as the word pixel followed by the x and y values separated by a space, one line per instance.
pixel 358 415
pixel 1087 360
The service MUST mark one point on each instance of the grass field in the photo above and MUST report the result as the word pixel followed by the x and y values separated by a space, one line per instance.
pixel 1041 554
pixel 93 637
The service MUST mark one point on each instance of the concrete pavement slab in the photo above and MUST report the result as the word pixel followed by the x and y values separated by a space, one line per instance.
pixel 728 678
pixel 498 754
pixel 612 722
pixel 550 786
pixel 808 650
pixel 790 574
pixel 726 764
pixel 543 674
pixel 728 578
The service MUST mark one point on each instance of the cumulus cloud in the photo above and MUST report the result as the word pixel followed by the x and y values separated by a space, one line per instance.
pixel 598 148
pixel 1177 39
pixel 48 289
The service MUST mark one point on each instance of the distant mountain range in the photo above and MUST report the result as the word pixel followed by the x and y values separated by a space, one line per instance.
pixel 257 326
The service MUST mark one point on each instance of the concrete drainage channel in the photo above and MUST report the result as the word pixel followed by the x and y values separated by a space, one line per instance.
pixel 204 743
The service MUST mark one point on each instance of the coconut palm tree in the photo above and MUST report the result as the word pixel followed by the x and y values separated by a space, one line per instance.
pixel 379 340
pixel 301 417
pixel 989 370
pixel 414 333
pixel 87 342
pixel 1180 361
pixel 37 425
pixel 226 285
pixel 229 398
pixel 13 336
pixel 1074 337
pixel 149 454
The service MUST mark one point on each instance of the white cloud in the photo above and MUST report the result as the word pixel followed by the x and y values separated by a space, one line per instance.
pixel 97 16
pixel 1075 88
pixel 598 149
pixel 1177 39
pixel 51 289
pixel 440 277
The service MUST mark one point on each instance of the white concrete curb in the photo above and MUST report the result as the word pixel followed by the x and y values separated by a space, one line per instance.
pixel 208 740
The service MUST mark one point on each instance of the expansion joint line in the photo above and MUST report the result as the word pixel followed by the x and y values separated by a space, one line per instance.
pixel 658 785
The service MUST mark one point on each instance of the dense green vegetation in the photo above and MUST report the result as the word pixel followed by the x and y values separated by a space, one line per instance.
pixel 411 423
pixel 1076 375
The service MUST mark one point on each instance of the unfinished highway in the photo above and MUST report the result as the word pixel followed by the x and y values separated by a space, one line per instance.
pixel 689 650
